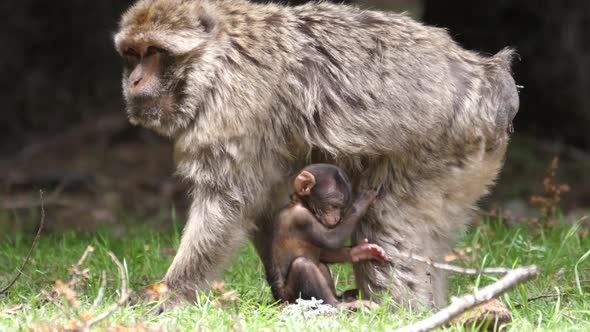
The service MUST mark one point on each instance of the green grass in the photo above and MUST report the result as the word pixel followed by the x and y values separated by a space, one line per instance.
pixel 562 255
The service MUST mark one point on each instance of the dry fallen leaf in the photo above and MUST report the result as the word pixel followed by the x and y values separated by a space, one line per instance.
pixel 156 291
pixel 449 258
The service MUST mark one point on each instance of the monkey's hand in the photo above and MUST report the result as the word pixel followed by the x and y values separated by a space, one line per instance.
pixel 367 251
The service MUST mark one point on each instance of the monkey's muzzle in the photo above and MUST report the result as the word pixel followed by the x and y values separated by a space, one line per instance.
pixel 143 109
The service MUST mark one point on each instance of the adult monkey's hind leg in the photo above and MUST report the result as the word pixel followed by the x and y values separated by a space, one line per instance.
pixel 422 215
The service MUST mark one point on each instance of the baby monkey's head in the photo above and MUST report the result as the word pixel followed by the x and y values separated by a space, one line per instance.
pixel 326 192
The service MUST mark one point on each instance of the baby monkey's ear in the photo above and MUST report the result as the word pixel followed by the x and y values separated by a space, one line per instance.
pixel 303 183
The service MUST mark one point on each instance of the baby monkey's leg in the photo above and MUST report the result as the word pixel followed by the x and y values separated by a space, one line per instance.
pixel 307 279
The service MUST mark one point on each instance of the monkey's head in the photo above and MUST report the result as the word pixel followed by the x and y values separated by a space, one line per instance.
pixel 167 60
pixel 325 190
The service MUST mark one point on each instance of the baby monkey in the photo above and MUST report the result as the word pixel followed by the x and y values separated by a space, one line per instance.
pixel 310 232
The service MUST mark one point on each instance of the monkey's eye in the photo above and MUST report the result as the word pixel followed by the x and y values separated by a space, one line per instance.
pixel 153 50
pixel 131 53
pixel 130 58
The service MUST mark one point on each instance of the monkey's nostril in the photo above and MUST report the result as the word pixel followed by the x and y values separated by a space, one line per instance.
pixel 135 77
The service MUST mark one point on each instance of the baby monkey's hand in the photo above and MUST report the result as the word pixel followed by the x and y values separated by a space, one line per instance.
pixel 367 251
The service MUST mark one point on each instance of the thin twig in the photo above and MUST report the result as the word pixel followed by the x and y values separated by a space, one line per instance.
pixel 89 249
pixel 457 307
pixel 448 267
pixel 124 296
pixel 33 245
pixel 542 296
pixel 51 299
pixel 100 294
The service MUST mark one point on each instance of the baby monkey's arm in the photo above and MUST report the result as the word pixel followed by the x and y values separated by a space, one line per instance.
pixel 360 252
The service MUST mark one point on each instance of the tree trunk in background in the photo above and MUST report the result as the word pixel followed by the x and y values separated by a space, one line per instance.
pixel 553 41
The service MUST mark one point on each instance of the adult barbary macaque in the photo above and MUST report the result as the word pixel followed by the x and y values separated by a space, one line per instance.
pixel 310 232
pixel 251 93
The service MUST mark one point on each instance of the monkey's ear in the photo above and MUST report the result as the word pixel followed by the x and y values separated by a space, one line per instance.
pixel 303 183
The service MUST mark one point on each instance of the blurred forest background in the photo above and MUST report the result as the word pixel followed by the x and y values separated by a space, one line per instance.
pixel 64 129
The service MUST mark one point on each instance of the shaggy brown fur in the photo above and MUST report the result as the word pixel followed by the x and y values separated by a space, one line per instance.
pixel 262 90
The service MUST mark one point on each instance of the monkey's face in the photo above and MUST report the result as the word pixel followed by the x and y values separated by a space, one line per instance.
pixel 325 190
pixel 150 90
pixel 164 47
pixel 326 207
pixel 331 215
pixel 328 202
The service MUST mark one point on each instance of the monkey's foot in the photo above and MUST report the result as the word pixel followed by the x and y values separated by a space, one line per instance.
pixel 169 302
pixel 160 296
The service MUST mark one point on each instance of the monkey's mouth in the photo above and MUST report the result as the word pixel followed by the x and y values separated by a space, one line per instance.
pixel 145 113
pixel 157 113
pixel 334 223
pixel 143 110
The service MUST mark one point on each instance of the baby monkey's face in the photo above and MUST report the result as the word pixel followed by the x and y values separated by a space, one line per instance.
pixel 326 192
pixel 328 206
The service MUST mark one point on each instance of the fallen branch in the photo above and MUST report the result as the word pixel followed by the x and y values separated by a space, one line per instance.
pixel 460 305
pixel 511 278
pixel 33 245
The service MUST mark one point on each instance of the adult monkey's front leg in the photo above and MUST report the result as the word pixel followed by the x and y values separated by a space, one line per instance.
pixel 228 192
pixel 212 235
